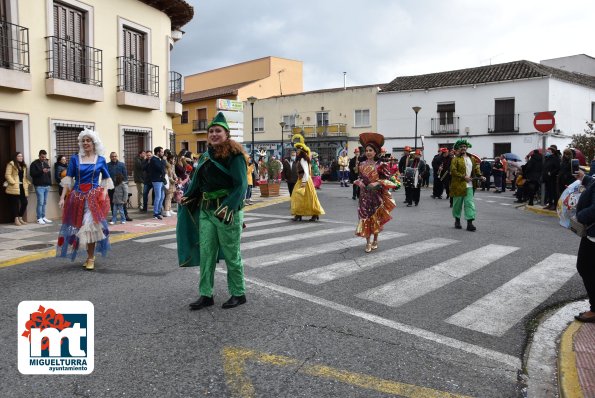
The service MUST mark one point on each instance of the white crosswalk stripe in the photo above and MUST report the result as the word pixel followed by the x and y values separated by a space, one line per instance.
pixel 298 254
pixel 264 223
pixel 278 230
pixel 498 311
pixel 292 238
pixel 413 286
pixel 342 269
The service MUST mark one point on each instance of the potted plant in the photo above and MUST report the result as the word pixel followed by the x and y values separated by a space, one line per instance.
pixel 271 188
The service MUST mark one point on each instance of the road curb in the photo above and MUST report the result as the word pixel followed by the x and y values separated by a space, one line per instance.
pixel 568 382
pixel 122 237
pixel 543 212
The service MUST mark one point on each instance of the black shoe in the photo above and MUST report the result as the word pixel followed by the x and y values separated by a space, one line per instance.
pixel 408 204
pixel 353 197
pixel 128 219
pixel 297 218
pixel 202 302
pixel 314 218
pixel 470 226
pixel 234 301
pixel 416 203
pixel 458 223
pixel 404 201
pixel 157 217
pixel 141 210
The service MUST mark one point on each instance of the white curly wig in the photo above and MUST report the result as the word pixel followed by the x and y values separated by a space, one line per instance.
pixel 96 141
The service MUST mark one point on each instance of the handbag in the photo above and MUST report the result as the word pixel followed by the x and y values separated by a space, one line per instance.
pixel 579 228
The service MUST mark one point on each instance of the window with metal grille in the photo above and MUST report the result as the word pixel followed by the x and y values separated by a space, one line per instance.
pixel 67 138
pixel 134 141
pixel 184 118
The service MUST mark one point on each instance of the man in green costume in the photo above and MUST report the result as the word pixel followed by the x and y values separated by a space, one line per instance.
pixel 464 170
pixel 211 217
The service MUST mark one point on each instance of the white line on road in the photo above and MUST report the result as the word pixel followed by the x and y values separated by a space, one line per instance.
pixel 288 217
pixel 501 309
pixel 319 275
pixel 413 286
pixel 490 201
pixel 291 238
pixel 266 222
pixel 505 204
pixel 276 258
pixel 156 238
pixel 267 231
pixel 512 362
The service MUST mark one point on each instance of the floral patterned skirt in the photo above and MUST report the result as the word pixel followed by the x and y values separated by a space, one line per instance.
pixel 84 222
pixel 374 211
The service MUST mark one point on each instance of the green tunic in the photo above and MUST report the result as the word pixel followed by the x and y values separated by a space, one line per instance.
pixel 222 177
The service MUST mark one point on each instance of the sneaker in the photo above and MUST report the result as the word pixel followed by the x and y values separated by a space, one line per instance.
pixel 157 217
pixel 47 221
pixel 123 222
pixel 111 223
pixel 40 221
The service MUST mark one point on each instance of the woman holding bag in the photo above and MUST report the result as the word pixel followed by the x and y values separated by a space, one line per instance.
pixel 585 214
pixel 17 187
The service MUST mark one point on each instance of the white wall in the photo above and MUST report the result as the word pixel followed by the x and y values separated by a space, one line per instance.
pixel 572 104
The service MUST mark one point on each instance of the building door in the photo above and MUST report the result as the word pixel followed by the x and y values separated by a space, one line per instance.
pixel 504 115
pixel 7 151
pixel 134 61
pixel 69 43
pixel 502 147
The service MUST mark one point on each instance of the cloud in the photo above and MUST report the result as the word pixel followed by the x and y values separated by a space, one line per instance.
pixel 375 41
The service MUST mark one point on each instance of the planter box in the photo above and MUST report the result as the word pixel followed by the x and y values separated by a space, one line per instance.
pixel 270 189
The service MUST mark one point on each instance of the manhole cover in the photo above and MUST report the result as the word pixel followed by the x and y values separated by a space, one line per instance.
pixel 38 246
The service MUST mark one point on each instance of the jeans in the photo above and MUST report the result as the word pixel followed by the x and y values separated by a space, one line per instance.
pixel 249 192
pixel 146 189
pixel 158 189
pixel 118 208
pixel 42 198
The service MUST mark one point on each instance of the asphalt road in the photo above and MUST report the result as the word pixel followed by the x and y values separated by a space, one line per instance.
pixel 434 311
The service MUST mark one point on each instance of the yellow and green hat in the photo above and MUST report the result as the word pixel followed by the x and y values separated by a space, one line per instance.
pixel 219 120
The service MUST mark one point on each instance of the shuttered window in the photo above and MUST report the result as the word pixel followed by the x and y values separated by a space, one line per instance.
pixel 135 74
pixel 446 113
pixel 69 46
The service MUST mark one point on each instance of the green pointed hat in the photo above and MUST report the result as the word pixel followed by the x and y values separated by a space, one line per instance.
pixel 460 142
pixel 219 120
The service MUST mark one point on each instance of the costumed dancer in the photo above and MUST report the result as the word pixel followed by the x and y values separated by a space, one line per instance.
pixel 304 201
pixel 464 171
pixel 210 217
pixel 316 178
pixel 375 201
pixel 85 202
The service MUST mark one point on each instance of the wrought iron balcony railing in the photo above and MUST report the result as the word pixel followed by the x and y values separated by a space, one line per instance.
pixel 138 77
pixel 75 62
pixel 175 87
pixel 503 123
pixel 329 130
pixel 200 125
pixel 14 47
pixel 445 125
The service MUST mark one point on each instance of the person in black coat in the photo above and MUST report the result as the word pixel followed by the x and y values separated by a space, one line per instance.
pixel 585 214
pixel 565 177
pixel 354 172
pixel 438 187
pixel 533 174
pixel 549 177
pixel 486 170
pixel 403 162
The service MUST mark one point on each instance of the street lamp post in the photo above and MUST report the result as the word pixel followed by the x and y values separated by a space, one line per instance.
pixel 416 109
pixel 282 124
pixel 252 100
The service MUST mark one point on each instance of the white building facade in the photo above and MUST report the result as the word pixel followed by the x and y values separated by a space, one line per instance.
pixel 491 106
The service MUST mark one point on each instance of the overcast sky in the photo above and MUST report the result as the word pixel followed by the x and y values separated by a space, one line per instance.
pixel 375 41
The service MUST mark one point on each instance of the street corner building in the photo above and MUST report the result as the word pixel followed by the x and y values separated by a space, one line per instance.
pixel 100 64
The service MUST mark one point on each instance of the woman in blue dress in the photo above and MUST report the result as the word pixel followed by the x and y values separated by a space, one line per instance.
pixel 85 202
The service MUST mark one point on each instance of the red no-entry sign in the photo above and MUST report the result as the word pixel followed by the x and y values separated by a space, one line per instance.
pixel 544 121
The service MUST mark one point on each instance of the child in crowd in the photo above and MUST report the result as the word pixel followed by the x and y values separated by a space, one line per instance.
pixel 120 199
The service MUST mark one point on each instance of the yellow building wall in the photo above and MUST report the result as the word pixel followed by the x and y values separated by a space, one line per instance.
pixel 184 131
pixel 264 70
pixel 107 115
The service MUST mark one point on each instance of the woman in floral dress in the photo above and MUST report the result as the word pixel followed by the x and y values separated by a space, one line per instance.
pixel 375 201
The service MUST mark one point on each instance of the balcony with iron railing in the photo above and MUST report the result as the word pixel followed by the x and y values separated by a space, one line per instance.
pixel 14 56
pixel 445 125
pixel 73 69
pixel 138 83
pixel 329 131
pixel 503 123
pixel 200 125
pixel 174 100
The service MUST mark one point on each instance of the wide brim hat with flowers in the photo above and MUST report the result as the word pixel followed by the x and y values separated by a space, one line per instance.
pixel 375 140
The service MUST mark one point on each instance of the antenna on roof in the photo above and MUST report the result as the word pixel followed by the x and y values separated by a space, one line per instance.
pixel 344 80
pixel 490 58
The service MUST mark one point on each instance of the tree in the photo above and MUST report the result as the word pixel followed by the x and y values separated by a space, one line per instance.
pixel 585 142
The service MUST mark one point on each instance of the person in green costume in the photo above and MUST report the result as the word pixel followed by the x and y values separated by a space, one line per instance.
pixel 463 169
pixel 210 217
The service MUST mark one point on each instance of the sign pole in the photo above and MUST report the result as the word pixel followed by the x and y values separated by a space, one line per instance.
pixel 543 149
pixel 544 122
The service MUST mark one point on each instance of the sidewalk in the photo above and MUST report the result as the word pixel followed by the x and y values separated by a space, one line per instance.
pixel 34 242
pixel 576 361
